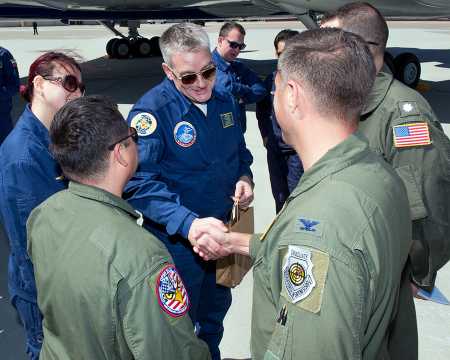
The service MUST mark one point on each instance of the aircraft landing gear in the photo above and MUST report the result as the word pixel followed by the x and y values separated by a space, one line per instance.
pixel 123 47
pixel 405 67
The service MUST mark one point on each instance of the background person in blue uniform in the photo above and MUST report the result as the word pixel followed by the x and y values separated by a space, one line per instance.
pixel 9 86
pixel 29 175
pixel 285 166
pixel 192 161
pixel 232 75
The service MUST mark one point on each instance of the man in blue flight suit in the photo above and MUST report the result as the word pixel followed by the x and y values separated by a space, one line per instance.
pixel 232 75
pixel 193 162
pixel 285 166
pixel 9 86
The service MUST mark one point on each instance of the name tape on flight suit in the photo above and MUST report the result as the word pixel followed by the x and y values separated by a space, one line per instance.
pixel 304 272
pixel 144 123
pixel 171 292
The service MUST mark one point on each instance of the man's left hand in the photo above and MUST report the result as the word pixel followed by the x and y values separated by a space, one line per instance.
pixel 244 192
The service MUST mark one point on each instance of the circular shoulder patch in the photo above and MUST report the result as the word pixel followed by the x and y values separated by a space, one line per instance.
pixel 171 292
pixel 184 134
pixel 144 123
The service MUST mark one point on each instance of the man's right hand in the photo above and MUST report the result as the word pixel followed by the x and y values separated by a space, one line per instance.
pixel 209 247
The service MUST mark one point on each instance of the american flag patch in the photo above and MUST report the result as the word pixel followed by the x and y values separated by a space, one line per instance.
pixel 411 135
pixel 171 292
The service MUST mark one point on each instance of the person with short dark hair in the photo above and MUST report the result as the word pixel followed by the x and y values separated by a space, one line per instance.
pixel 111 290
pixel 402 127
pixel 29 174
pixel 9 86
pixel 327 272
pixel 285 167
pixel 233 77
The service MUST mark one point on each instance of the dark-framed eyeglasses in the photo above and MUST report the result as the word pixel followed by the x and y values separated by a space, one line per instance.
pixel 68 82
pixel 236 45
pixel 190 78
pixel 133 135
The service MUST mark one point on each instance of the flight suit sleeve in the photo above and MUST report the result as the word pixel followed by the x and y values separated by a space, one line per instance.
pixel 246 85
pixel 425 170
pixel 24 186
pixel 10 81
pixel 147 191
pixel 154 318
pixel 245 159
pixel 320 294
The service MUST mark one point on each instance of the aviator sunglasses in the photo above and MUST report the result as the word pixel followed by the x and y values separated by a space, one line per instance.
pixel 236 45
pixel 189 79
pixel 133 135
pixel 68 82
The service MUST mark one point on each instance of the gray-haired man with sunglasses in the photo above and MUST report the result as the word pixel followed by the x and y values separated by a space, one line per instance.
pixel 192 161
pixel 232 75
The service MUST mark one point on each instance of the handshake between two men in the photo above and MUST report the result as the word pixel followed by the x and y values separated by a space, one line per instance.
pixel 211 238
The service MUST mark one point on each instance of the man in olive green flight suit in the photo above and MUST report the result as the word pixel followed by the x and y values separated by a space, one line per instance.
pixel 327 271
pixel 403 129
pixel 107 288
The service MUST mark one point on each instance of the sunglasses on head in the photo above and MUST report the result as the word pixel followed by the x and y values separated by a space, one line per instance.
pixel 133 135
pixel 189 79
pixel 68 82
pixel 236 45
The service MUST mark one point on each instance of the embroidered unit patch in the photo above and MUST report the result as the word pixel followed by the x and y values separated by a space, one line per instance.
pixel 185 134
pixel 416 134
pixel 227 119
pixel 298 277
pixel 171 292
pixel 144 123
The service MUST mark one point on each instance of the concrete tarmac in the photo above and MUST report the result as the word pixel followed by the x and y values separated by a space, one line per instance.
pixel 126 80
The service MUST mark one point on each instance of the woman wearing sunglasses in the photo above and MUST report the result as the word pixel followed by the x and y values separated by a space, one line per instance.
pixel 29 175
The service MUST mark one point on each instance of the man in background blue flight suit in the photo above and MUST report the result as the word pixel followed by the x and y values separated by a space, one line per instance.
pixel 9 86
pixel 285 166
pixel 192 161
pixel 232 75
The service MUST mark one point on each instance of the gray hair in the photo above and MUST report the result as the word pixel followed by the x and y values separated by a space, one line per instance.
pixel 184 37
pixel 335 67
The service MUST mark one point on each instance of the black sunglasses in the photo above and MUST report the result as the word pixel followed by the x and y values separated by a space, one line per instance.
pixel 189 79
pixel 133 135
pixel 68 82
pixel 236 45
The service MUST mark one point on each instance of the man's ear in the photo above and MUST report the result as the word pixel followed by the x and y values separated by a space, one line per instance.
pixel 167 71
pixel 118 156
pixel 293 90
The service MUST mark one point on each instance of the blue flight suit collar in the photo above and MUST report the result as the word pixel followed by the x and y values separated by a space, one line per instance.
pixel 220 62
pixel 31 122
pixel 186 104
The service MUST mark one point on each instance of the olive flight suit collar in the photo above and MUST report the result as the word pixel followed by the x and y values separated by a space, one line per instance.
pixel 97 194
pixel 379 90
pixel 348 152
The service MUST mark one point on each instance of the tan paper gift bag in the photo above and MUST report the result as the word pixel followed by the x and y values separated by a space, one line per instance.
pixel 231 269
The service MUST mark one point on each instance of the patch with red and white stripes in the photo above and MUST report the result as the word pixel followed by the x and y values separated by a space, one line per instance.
pixel 415 134
pixel 171 292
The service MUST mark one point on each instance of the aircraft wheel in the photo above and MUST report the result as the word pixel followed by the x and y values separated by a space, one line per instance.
pixel 121 49
pixel 154 44
pixel 408 69
pixel 109 46
pixel 142 48
pixel 389 62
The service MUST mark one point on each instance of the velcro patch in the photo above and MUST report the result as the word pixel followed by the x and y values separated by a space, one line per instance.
pixel 227 119
pixel 308 226
pixel 171 292
pixel 304 272
pixel 415 134
pixel 408 108
pixel 144 123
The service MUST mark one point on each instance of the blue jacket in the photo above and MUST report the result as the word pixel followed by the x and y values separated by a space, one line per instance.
pixel 267 121
pixel 188 163
pixel 237 79
pixel 9 80
pixel 28 176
